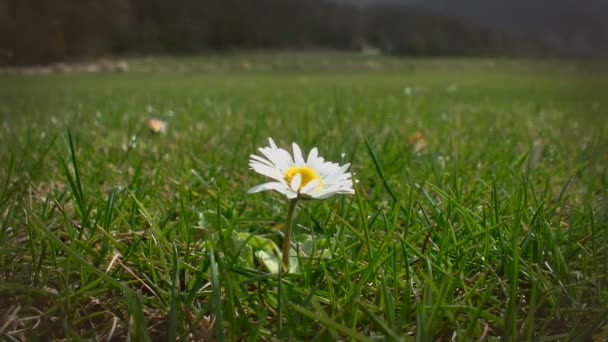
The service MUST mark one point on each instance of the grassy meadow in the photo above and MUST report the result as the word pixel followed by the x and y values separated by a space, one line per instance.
pixel 496 229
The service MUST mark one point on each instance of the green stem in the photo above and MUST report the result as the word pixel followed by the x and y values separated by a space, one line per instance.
pixel 288 232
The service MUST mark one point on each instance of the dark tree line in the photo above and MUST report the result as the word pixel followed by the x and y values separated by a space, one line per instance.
pixel 39 31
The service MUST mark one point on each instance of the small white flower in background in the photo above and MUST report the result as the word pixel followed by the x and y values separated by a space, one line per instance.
pixel 157 126
pixel 417 141
pixel 313 178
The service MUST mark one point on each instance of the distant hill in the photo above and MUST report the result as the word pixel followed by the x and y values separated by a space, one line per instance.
pixel 568 26
pixel 44 31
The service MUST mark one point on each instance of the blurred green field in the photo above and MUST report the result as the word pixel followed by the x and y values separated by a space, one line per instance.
pixel 496 229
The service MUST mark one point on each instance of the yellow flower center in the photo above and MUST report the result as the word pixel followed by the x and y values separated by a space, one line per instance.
pixel 306 173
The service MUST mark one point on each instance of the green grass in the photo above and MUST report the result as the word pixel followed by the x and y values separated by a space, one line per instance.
pixel 497 230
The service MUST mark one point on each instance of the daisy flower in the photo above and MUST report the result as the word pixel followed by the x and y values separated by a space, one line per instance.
pixel 313 178
pixel 296 178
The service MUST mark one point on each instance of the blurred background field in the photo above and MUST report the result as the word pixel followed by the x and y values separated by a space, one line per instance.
pixel 324 98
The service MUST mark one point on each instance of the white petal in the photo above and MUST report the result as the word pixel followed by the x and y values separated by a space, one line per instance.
pixel 272 144
pixel 327 169
pixel 295 182
pixel 266 170
pixel 254 163
pixel 278 157
pixel 267 186
pixel 344 167
pixel 285 160
pixel 336 173
pixel 257 158
pixel 310 187
pixel 326 193
pixel 337 188
pixel 276 186
pixel 334 179
pixel 297 155
pixel 312 156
